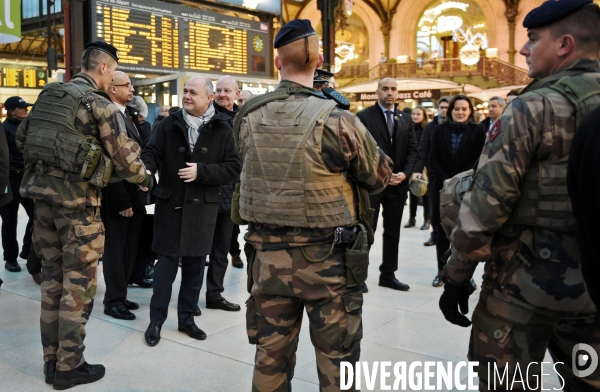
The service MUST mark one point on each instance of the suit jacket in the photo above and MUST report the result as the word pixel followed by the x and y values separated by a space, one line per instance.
pixel 122 195
pixel 486 123
pixel 446 165
pixel 402 148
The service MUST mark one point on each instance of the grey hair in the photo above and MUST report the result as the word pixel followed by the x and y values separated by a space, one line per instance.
pixel 501 101
pixel 138 103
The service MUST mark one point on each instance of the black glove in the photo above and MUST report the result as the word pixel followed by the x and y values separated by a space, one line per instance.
pixel 456 295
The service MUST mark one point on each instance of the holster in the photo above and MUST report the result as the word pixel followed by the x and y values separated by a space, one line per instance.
pixel 357 259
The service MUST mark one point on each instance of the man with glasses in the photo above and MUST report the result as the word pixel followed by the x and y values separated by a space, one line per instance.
pixel 123 210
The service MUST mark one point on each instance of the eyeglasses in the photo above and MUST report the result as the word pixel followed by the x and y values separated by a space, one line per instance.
pixel 123 85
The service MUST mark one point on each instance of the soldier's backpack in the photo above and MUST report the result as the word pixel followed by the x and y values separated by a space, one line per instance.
pixel 451 197
pixel 54 140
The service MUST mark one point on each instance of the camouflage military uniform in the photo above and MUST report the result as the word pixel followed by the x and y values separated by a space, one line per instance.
pixel 68 233
pixel 292 268
pixel 533 295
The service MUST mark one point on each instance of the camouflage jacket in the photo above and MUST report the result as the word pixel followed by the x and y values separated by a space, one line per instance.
pixel 107 124
pixel 348 147
pixel 524 260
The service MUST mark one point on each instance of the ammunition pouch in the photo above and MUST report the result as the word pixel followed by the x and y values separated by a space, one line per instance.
pixel 357 259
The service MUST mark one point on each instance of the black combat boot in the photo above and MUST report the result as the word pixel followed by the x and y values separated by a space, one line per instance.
pixel 84 374
pixel 49 371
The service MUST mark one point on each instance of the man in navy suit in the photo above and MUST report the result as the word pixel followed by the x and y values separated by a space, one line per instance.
pixel 394 132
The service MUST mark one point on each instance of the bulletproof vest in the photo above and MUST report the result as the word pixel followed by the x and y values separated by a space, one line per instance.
pixel 54 141
pixel 284 181
pixel 545 201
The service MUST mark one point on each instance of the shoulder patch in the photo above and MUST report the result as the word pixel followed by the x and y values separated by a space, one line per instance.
pixel 494 131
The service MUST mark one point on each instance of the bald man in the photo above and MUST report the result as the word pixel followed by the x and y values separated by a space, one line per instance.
pixel 394 133
pixel 244 95
pixel 123 210
pixel 195 152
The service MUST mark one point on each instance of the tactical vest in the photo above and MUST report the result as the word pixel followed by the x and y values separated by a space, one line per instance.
pixel 53 139
pixel 545 201
pixel 285 181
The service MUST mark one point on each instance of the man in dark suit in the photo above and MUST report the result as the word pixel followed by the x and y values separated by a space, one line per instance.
pixel 495 108
pixel 394 132
pixel 123 210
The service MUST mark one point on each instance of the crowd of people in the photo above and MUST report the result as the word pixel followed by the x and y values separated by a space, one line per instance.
pixel 309 180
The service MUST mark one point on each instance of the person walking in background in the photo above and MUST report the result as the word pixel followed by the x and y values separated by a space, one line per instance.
pixel 455 147
pixel 423 161
pixel 420 119
pixel 164 112
pixel 495 107
pixel 394 132
pixel 244 95
pixel 17 110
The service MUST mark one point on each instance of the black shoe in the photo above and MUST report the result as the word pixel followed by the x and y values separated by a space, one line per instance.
pixel 223 304
pixel 438 281
pixel 394 284
pixel 411 223
pixel 12 265
pixel 193 331
pixel 84 374
pixel 198 312
pixel 49 371
pixel 144 283
pixel 119 312
pixel 426 225
pixel 237 262
pixel 149 272
pixel 152 334
pixel 130 305
pixel 429 242
pixel 365 288
pixel 37 278
pixel 24 253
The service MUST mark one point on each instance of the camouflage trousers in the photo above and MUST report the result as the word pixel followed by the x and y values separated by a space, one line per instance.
pixel 70 243
pixel 514 339
pixel 285 283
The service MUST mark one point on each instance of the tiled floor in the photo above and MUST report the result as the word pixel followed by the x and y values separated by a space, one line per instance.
pixel 398 326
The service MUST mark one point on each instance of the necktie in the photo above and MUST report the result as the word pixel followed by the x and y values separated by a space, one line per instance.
pixel 390 123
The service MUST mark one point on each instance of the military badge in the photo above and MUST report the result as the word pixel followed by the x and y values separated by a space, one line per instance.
pixel 494 131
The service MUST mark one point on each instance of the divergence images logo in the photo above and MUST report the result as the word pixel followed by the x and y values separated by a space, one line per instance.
pixel 585 360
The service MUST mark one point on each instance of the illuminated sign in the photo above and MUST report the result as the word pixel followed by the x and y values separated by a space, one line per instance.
pixel 271 6
pixel 22 76
pixel 165 38
pixel 412 94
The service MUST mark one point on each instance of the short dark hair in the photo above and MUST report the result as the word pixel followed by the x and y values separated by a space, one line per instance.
pixel 444 99
pixel 582 25
pixel 461 97
pixel 92 58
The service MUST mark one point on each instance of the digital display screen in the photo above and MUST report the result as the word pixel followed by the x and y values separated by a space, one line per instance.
pixel 22 77
pixel 271 6
pixel 165 38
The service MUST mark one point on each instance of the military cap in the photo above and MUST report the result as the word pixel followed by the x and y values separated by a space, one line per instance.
pixel 15 102
pixel 104 47
pixel 552 11
pixel 293 31
pixel 321 76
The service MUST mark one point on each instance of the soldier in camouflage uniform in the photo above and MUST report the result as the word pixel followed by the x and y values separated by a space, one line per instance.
pixel 517 216
pixel 68 233
pixel 293 202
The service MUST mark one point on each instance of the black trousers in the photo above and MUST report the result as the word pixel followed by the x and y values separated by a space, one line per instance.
pixel 414 201
pixel 10 217
pixel 218 257
pixel 234 245
pixel 442 242
pixel 392 202
pixel 434 203
pixel 165 271
pixel 120 252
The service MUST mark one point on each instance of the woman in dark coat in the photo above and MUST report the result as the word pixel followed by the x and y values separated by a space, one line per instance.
pixel 419 119
pixel 455 147
pixel 194 152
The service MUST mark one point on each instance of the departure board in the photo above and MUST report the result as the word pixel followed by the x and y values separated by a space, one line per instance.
pixel 22 77
pixel 158 37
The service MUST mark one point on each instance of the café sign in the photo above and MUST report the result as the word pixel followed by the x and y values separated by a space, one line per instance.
pixel 412 94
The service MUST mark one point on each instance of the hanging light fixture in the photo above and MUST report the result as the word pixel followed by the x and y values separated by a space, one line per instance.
pixel 469 53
